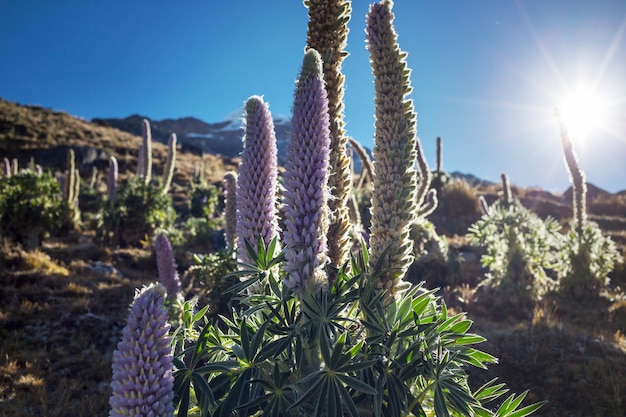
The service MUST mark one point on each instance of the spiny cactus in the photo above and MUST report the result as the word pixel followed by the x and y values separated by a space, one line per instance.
pixel 143 384
pixel 230 209
pixel 327 33
pixel 306 179
pixel 258 176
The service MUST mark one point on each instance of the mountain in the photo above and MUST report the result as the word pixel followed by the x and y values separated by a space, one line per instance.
pixel 223 138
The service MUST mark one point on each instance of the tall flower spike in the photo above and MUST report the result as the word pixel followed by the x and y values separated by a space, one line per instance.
pixel 395 148
pixel 257 182
pixel 577 177
pixel 7 167
pixel 306 181
pixel 112 178
pixel 327 33
pixel 170 162
pixel 166 266
pixel 230 209
pixel 145 152
pixel 142 381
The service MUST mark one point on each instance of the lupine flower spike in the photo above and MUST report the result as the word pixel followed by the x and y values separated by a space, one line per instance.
pixel 257 182
pixel 306 179
pixel 145 153
pixel 166 266
pixel 577 177
pixel 230 209
pixel 142 364
pixel 327 33
pixel 394 195
pixel 112 178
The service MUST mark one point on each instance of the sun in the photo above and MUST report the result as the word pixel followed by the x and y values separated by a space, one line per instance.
pixel 585 112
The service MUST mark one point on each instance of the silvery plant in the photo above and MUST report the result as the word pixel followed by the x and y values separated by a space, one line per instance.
pixel 323 330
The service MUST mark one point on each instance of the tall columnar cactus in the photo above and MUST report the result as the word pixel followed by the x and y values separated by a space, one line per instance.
pixel 306 179
pixel 257 184
pixel 327 33
pixel 230 209
pixel 170 161
pixel 112 178
pixel 144 160
pixel 577 178
pixel 166 266
pixel 142 364
pixel 395 197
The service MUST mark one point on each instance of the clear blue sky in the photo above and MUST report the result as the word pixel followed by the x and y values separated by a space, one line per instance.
pixel 486 73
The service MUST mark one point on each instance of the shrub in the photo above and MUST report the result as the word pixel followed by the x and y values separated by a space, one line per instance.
pixel 137 212
pixel 30 207
pixel 457 209
pixel 520 249
pixel 587 260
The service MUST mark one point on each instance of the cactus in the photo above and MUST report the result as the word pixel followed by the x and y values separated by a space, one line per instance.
pixel 327 33
pixel 168 172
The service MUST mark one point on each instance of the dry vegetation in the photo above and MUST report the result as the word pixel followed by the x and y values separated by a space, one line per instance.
pixel 62 307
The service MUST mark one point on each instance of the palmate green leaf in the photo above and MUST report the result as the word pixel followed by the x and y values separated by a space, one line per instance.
pixel 204 394
pixel 441 409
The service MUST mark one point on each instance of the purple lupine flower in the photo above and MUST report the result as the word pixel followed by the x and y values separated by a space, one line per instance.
pixel 306 178
pixel 166 265
pixel 230 209
pixel 112 178
pixel 143 384
pixel 257 182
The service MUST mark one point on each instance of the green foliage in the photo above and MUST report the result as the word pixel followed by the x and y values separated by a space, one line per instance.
pixel 587 260
pixel 520 248
pixel 30 207
pixel 214 274
pixel 203 198
pixel 332 353
pixel 137 211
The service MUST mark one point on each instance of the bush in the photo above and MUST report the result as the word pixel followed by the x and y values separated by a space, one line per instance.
pixel 457 208
pixel 520 249
pixel 203 199
pixel 30 207
pixel 136 213
pixel 587 261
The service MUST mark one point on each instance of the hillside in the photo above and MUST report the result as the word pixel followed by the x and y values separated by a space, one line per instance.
pixel 62 308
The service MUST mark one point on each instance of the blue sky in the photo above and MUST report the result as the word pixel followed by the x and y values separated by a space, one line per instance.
pixel 486 73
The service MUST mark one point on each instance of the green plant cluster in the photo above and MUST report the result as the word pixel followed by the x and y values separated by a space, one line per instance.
pixel 136 213
pixel 203 198
pixel 339 352
pixel 587 259
pixel 30 207
pixel 521 249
